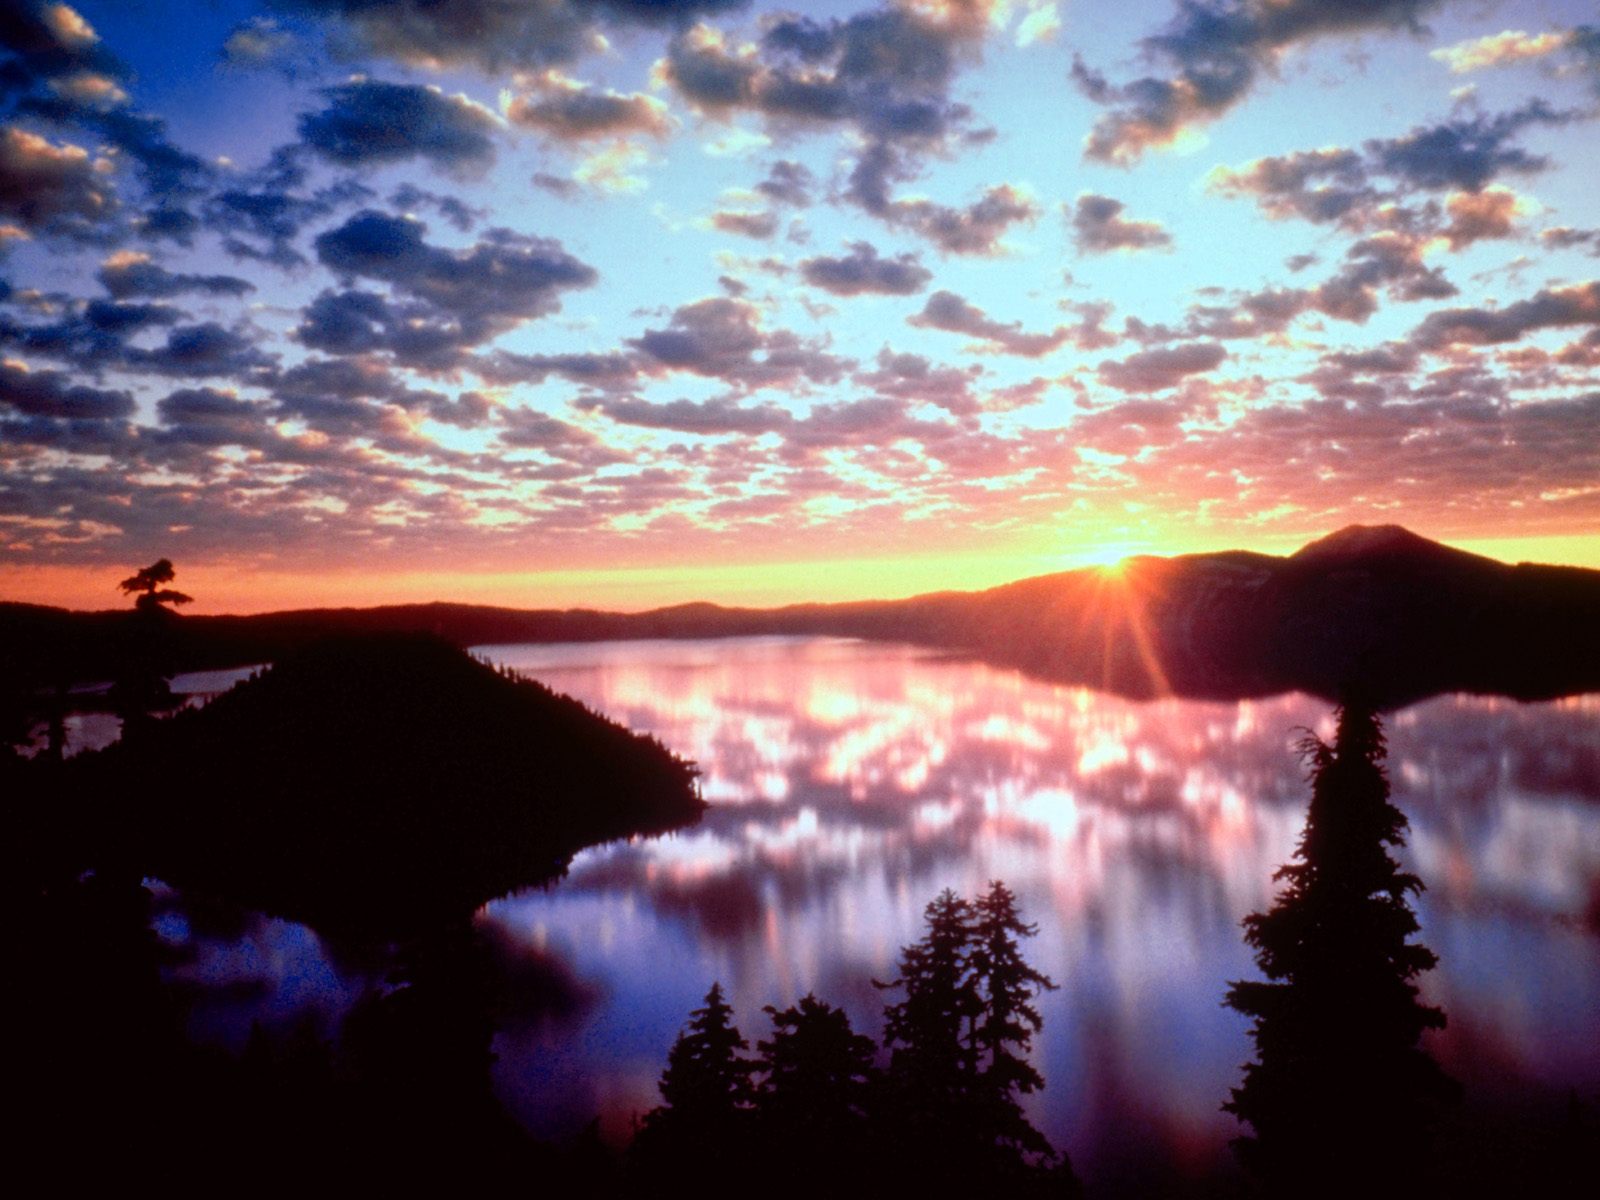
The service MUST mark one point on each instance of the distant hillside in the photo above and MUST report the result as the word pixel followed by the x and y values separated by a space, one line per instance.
pixel 370 781
pixel 1405 616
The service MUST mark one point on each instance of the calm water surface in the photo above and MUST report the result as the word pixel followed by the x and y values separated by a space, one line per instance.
pixel 851 781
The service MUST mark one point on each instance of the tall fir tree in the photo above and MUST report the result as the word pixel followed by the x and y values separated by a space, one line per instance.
pixel 957 1063
pixel 815 1101
pixel 1341 1094
pixel 929 1033
pixel 703 1125
pixel 1007 984
pixel 707 1080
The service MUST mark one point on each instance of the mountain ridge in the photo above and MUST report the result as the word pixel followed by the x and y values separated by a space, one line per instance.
pixel 1374 607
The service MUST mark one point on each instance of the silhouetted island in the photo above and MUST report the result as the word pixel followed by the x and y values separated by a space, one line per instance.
pixel 376 781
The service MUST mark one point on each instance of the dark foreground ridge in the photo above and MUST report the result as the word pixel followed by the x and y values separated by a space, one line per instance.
pixel 370 781
pixel 1407 616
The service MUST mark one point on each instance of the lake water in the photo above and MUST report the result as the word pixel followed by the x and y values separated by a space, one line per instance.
pixel 849 782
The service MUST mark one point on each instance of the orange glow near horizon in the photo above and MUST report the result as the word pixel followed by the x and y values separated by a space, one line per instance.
pixel 223 587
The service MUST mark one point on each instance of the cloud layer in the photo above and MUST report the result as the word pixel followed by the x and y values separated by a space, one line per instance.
pixel 501 287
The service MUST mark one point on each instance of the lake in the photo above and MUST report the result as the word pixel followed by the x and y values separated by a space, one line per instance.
pixel 851 781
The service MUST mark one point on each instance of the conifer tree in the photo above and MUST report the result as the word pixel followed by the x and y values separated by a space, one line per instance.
pixel 815 1100
pixel 929 1033
pixel 706 1079
pixel 1007 984
pixel 145 587
pixel 703 1124
pixel 957 1043
pixel 142 680
pixel 1341 1093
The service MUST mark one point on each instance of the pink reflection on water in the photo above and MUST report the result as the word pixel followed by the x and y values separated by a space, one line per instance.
pixel 850 782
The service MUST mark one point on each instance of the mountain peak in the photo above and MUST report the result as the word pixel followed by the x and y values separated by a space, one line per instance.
pixel 1374 541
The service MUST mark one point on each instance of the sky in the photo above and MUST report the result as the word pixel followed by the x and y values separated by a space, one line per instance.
pixel 620 303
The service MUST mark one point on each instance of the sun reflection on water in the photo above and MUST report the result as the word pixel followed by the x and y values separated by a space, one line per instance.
pixel 851 781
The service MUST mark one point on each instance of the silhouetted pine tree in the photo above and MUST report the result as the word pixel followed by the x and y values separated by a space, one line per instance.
pixel 815 1100
pixel 702 1130
pixel 1340 1095
pixel 929 1033
pixel 706 1079
pixel 145 587
pixel 142 687
pixel 1004 1034
pixel 956 1043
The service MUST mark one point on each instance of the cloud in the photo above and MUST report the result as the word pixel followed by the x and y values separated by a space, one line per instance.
pixel 316 386
pixel 948 311
pixel 614 168
pixel 50 188
pixel 53 394
pixel 1481 216
pixel 788 183
pixel 565 110
pixel 886 74
pixel 722 338
pixel 1335 185
pixel 201 350
pixel 210 416
pixel 260 215
pixel 1391 261
pixel 1500 49
pixel 259 41
pixel 1585 45
pixel 49 41
pixel 914 378
pixel 1467 152
pixel 129 273
pixel 1156 370
pixel 169 173
pixel 357 322
pixel 1217 53
pixel 863 272
pixel 496 35
pixel 530 429
pixel 361 397
pixel 1099 227
pixel 55 70
pixel 90 335
pixel 1387 262
pixel 877 421
pixel 1551 308
pixel 607 371
pixel 1565 237
pixel 498 282
pixel 556 185
pixel 1041 24
pixel 461 215
pixel 975 229
pixel 1090 332
pixel 1321 186
pixel 746 224
pixel 714 417
pixel 1250 314
pixel 368 122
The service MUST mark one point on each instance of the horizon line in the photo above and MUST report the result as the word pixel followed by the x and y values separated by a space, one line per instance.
pixel 229 590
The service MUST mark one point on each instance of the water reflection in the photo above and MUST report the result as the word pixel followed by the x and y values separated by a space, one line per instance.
pixel 91 725
pixel 852 781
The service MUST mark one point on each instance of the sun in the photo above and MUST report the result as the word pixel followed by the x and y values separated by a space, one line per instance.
pixel 1110 558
